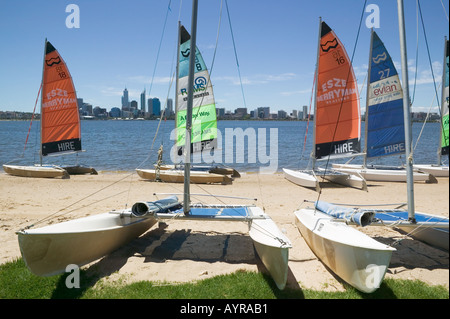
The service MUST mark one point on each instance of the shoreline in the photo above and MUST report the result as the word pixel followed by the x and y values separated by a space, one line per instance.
pixel 183 251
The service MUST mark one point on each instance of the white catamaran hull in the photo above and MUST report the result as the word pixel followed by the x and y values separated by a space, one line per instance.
pixel 309 178
pixel 271 245
pixel 211 169
pixel 355 257
pixel 43 171
pixel 436 170
pixel 431 229
pixel 49 250
pixel 383 175
pixel 177 176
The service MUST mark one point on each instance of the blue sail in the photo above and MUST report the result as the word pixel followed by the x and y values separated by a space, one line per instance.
pixel 384 118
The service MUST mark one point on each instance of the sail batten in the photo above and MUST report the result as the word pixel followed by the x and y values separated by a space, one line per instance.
pixel 337 114
pixel 60 121
pixel 204 119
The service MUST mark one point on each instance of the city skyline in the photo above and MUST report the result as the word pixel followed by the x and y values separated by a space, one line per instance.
pixel 275 42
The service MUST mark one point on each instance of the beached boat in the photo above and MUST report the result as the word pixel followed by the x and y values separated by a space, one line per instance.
pixel 384 173
pixel 385 133
pixel 317 226
pixel 80 170
pixel 271 245
pixel 336 133
pixel 177 176
pixel 204 123
pixel 213 169
pixel 439 169
pixel 60 120
pixel 428 228
pixel 355 257
pixel 44 171
pixel 48 250
pixel 352 255
pixel 313 178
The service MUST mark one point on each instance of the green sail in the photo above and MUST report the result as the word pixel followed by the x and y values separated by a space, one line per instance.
pixel 204 120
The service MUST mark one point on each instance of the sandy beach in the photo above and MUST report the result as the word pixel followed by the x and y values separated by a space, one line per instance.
pixel 180 251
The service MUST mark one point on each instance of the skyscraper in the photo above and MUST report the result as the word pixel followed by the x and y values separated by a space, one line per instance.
pixel 156 106
pixel 125 101
pixel 143 101
pixel 169 108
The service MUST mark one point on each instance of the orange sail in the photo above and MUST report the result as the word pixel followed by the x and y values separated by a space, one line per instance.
pixel 60 121
pixel 337 115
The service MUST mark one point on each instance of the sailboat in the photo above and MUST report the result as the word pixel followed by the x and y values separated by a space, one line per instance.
pixel 337 127
pixel 204 136
pixel 355 257
pixel 431 229
pixel 48 250
pixel 60 120
pixel 385 134
pixel 438 169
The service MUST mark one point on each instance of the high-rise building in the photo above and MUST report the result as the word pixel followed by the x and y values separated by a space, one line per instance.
pixel 305 112
pixel 156 106
pixel 143 101
pixel 263 112
pixel 169 108
pixel 150 106
pixel 125 100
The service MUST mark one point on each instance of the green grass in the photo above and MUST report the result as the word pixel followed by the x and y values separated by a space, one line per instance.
pixel 16 282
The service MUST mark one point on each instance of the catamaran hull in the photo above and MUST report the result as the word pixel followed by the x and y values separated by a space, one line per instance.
pixel 36 171
pixel 431 229
pixel 49 250
pixel 211 169
pixel 80 170
pixel 436 237
pixel 271 245
pixel 177 176
pixel 436 170
pixel 307 178
pixel 383 175
pixel 355 257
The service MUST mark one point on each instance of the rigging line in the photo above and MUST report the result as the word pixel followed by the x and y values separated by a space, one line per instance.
pixel 309 114
pixel 260 228
pixel 429 57
pixel 156 133
pixel 159 48
pixel 424 122
pixel 432 72
pixel 32 117
pixel 445 11
pixel 77 201
pixel 346 83
pixel 214 56
pixel 235 54
pixel 417 52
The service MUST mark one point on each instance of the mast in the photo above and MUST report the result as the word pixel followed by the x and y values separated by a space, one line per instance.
pixel 406 113
pixel 313 154
pixel 443 103
pixel 366 121
pixel 177 76
pixel 42 98
pixel 187 148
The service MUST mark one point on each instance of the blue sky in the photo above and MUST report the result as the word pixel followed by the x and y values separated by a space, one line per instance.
pixel 117 43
